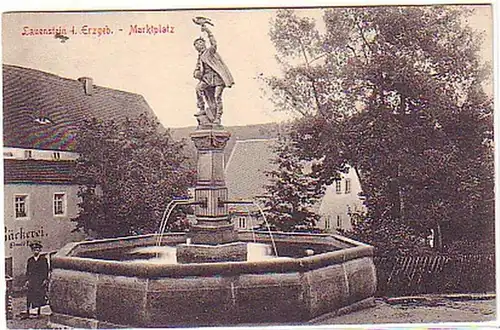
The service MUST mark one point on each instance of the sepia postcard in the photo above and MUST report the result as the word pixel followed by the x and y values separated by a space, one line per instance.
pixel 296 166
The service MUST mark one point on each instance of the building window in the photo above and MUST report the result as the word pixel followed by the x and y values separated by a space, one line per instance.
pixel 28 154
pixel 21 206
pixel 347 186
pixel 242 222
pixel 338 186
pixel 56 155
pixel 59 204
pixel 339 221
pixel 43 120
pixel 327 223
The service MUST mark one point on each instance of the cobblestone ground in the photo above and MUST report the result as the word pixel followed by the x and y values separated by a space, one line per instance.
pixel 431 311
pixel 18 307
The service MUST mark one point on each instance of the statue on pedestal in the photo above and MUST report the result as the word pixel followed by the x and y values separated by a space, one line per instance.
pixel 213 76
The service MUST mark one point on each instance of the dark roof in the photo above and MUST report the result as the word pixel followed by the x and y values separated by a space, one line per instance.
pixel 247 167
pixel 29 94
pixel 38 171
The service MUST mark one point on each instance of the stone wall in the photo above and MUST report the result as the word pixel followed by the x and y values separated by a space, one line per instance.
pixel 276 291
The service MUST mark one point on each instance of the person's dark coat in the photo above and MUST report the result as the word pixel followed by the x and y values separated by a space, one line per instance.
pixel 37 272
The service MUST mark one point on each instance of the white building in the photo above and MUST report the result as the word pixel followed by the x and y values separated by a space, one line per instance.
pixel 41 112
pixel 341 199
pixel 246 179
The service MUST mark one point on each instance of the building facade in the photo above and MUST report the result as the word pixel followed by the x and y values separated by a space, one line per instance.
pixel 40 199
pixel 41 114
pixel 246 180
pixel 340 201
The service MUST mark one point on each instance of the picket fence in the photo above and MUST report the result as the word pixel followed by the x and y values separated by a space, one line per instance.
pixel 410 275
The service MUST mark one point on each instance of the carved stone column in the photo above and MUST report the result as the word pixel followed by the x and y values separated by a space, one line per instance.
pixel 213 224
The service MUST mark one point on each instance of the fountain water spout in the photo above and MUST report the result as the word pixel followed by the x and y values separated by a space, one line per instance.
pixel 268 227
pixel 252 202
pixel 167 213
pixel 251 224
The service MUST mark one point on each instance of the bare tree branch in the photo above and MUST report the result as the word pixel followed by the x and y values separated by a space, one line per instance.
pixel 365 42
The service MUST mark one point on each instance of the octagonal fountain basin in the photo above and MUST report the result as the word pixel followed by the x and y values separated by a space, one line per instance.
pixel 129 282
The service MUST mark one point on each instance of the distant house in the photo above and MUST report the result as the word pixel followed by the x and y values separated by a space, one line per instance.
pixel 246 180
pixel 246 177
pixel 246 132
pixel 340 201
pixel 41 112
pixel 247 166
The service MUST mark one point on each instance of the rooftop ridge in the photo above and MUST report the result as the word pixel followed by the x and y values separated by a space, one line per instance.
pixel 74 80
pixel 61 104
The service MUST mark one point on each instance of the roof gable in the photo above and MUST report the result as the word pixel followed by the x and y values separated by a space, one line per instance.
pixel 38 171
pixel 42 110
pixel 247 166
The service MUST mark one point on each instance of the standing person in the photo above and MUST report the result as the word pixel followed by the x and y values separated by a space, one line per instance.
pixel 37 273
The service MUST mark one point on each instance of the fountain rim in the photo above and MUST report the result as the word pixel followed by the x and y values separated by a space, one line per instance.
pixel 66 258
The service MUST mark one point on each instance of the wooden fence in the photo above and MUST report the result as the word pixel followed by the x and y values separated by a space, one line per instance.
pixel 410 275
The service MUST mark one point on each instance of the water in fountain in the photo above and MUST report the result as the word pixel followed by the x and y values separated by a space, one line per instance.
pixel 268 227
pixel 164 220
pixel 257 251
pixel 251 223
pixel 167 254
pixel 166 215
pixel 223 278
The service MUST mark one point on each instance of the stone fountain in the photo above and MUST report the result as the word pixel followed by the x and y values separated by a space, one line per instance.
pixel 211 279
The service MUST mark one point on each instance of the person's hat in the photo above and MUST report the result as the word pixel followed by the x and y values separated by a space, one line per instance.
pixel 35 244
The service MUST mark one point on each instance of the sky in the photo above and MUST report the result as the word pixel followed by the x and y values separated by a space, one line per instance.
pixel 160 66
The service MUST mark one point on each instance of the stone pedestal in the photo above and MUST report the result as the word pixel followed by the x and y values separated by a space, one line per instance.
pixel 197 253
pixel 213 233
pixel 213 225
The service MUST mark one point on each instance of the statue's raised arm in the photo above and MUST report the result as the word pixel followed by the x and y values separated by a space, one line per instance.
pixel 213 76
pixel 210 35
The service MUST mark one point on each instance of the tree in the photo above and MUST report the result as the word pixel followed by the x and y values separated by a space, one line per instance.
pixel 292 192
pixel 128 171
pixel 396 93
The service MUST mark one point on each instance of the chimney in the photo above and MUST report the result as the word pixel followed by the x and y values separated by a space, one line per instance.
pixel 87 84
